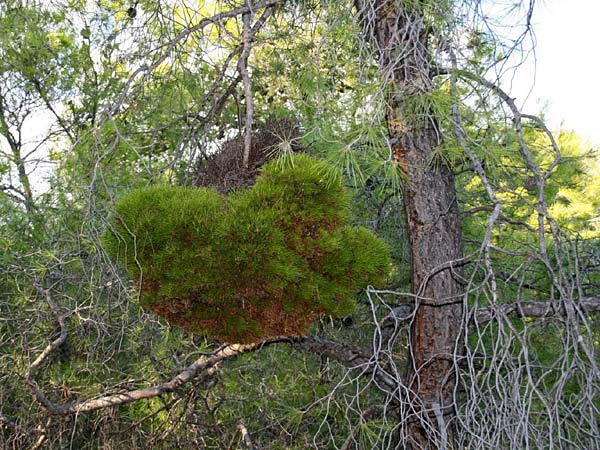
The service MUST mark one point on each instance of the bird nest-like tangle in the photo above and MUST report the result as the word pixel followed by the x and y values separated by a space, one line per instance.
pixel 257 263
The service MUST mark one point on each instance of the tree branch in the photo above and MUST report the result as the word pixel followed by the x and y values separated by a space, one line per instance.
pixel 211 94
pixel 219 101
pixel 6 422
pixel 481 316
pixel 350 356
pixel 43 95
pixel 208 364
pixel 9 188
pixel 534 310
pixel 143 71
pixel 245 436
pixel 243 70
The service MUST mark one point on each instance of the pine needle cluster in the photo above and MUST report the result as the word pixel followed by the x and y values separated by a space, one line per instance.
pixel 257 263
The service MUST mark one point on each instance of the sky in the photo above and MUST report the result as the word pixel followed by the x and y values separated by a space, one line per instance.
pixel 567 83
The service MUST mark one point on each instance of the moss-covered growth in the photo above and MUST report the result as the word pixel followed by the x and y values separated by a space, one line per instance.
pixel 259 263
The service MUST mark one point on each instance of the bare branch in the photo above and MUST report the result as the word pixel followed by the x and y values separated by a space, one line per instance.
pixel 481 316
pixel 61 121
pixel 246 436
pixel 211 94
pixel 349 355
pixel 208 364
pixel 60 340
pixel 144 70
pixel 8 189
pixel 534 310
pixel 243 70
pixel 5 421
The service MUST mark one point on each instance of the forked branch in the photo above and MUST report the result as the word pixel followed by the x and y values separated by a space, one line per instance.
pixel 350 356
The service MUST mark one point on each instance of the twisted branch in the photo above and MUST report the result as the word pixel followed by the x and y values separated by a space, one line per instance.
pixel 206 366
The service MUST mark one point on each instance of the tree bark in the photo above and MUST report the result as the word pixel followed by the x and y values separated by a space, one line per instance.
pixel 17 159
pixel 433 222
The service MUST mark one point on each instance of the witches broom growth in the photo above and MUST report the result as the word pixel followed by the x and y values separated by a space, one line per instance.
pixel 258 263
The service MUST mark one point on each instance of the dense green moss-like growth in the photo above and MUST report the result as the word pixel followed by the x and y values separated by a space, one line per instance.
pixel 262 262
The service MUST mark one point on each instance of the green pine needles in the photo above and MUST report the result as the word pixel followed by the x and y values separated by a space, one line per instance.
pixel 259 263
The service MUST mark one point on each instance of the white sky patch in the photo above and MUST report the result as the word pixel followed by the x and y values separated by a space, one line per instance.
pixel 38 165
pixel 564 73
pixel 34 151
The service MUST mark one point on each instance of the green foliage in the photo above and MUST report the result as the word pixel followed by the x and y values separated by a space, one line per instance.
pixel 271 257
pixel 259 263
pixel 36 47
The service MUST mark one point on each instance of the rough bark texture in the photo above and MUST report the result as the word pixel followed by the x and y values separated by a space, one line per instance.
pixel 433 223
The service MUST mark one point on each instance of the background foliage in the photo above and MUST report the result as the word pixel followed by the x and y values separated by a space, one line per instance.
pixel 134 96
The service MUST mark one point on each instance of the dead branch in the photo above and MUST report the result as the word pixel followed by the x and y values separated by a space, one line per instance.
pixel 534 310
pixel 60 340
pixel 243 70
pixel 246 436
pixel 353 357
pixel 350 356
pixel 218 102
pixel 206 364
pixel 145 70
pixel 6 422
pixel 530 310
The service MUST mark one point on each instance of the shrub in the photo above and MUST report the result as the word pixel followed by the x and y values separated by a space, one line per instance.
pixel 258 263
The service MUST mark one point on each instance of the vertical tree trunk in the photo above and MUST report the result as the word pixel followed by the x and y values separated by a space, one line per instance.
pixel 19 162
pixel 433 221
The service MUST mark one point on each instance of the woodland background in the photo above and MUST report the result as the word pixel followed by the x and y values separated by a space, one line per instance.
pixel 493 344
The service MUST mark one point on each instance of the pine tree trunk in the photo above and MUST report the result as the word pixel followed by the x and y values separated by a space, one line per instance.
pixel 433 223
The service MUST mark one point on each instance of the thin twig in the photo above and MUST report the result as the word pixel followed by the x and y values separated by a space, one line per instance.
pixel 243 70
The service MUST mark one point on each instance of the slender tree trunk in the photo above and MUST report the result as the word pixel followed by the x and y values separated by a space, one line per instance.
pixel 433 223
pixel 25 185
pixel 15 147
